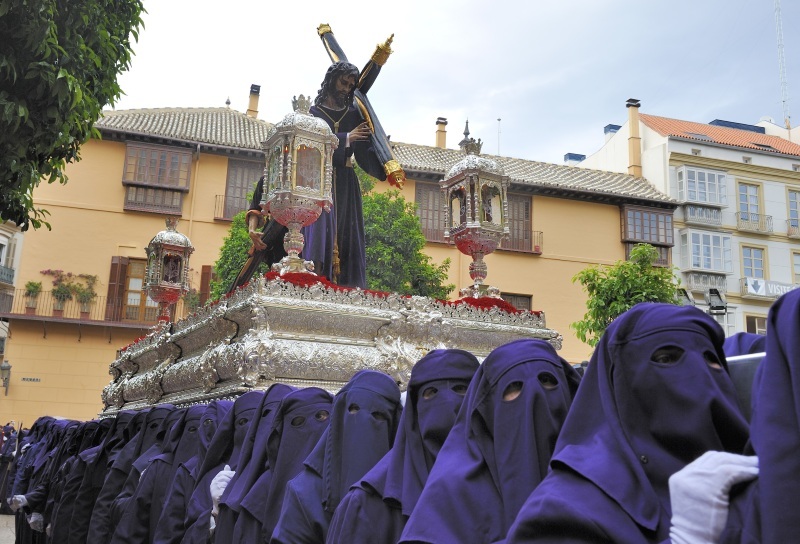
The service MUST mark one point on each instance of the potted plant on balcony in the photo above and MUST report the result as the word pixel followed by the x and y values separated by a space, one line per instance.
pixel 61 294
pixel 32 290
pixel 85 296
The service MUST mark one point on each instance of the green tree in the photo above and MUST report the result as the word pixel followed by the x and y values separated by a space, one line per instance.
pixel 59 62
pixel 232 257
pixel 614 289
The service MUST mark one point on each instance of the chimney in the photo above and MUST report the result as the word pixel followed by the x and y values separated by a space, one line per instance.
pixel 571 159
pixel 441 133
pixel 252 107
pixel 634 141
pixel 610 130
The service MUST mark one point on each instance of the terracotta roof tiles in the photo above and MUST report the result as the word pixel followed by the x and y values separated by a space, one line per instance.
pixel 720 135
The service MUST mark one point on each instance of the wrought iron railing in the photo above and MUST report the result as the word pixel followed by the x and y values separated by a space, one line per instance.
pixel 702 215
pixel 698 281
pixel 753 222
pixel 225 207
pixel 793 228
pixel 99 309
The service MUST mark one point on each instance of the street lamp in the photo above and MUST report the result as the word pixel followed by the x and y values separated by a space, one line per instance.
pixel 5 374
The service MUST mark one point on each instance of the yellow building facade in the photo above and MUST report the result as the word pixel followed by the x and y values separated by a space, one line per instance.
pixel 199 165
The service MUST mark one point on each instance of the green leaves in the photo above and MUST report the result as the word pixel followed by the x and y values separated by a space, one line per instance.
pixel 59 62
pixel 614 289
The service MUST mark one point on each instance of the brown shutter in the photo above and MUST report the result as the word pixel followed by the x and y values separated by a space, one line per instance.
pixel 205 283
pixel 116 288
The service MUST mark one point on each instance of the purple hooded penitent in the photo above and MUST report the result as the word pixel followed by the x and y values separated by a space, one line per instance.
pixel 299 422
pixel 225 449
pixel 171 524
pixel 377 507
pixel 251 463
pixel 499 447
pixel 655 396
pixel 362 427
pixel 769 507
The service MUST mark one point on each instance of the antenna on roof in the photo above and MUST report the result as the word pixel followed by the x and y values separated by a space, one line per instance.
pixel 498 136
pixel 782 68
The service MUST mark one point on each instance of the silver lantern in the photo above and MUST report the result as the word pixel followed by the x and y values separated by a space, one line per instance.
pixel 167 275
pixel 299 172
pixel 475 212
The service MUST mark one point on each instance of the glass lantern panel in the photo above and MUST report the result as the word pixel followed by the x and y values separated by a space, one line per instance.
pixel 274 167
pixel 172 269
pixel 490 205
pixel 309 168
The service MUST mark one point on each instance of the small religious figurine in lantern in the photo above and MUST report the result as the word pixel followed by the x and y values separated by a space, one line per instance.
pixel 299 173
pixel 167 275
pixel 475 212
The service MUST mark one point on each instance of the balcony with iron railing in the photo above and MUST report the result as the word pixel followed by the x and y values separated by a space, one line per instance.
pixel 702 281
pixel 754 222
pixel 99 311
pixel 528 244
pixel 793 228
pixel 225 207
pixel 6 275
pixel 702 215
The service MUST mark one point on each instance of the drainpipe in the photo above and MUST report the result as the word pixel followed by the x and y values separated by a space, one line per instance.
pixel 193 188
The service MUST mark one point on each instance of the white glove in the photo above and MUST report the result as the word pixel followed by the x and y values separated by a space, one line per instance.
pixel 699 495
pixel 218 485
pixel 17 502
pixel 36 521
pixel 48 530
pixel 212 524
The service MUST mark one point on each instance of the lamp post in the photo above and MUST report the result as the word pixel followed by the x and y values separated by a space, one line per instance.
pixel 5 374
pixel 299 174
pixel 475 212
pixel 167 275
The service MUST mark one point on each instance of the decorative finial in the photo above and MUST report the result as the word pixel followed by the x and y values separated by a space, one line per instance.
pixel 382 51
pixel 172 223
pixel 302 104
pixel 228 102
pixel 466 139
pixel 472 147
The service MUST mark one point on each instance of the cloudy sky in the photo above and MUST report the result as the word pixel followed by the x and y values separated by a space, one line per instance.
pixel 554 72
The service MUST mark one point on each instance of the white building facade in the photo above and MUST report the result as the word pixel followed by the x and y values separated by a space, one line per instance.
pixel 737 229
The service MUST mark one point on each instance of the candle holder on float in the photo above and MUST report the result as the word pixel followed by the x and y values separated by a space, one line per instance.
pixel 476 212
pixel 167 274
pixel 299 173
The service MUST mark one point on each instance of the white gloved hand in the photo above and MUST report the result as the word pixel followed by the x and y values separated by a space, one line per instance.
pixel 17 502
pixel 212 524
pixel 218 485
pixel 36 521
pixel 48 530
pixel 699 494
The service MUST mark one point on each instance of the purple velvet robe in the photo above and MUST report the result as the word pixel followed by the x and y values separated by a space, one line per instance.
pixel 363 425
pixel 251 463
pixel 297 426
pixel 376 508
pixel 224 449
pixel 171 525
pixel 499 448
pixel 346 214
pixel 638 417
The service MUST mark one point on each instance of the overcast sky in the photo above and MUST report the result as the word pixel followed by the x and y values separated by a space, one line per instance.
pixel 555 72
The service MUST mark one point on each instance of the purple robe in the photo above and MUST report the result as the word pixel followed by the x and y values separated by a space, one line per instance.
pixel 345 222
pixel 251 463
pixel 172 523
pixel 376 508
pixel 362 428
pixel 297 426
pixel 655 396
pixel 224 449
pixel 499 448
pixel 767 511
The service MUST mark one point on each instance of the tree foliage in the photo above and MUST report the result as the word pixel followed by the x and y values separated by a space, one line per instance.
pixel 614 289
pixel 59 62
pixel 232 257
